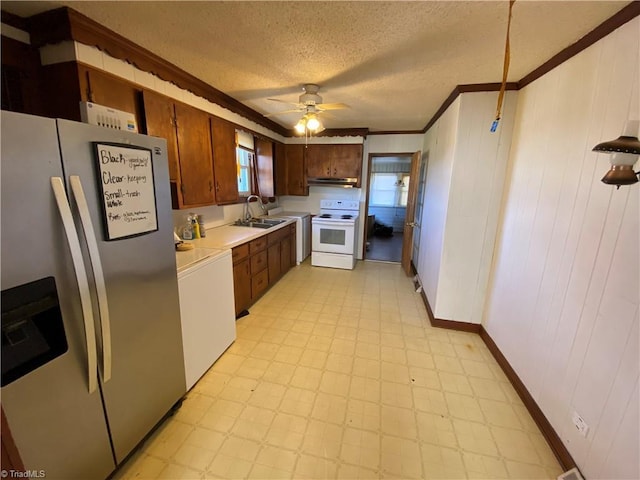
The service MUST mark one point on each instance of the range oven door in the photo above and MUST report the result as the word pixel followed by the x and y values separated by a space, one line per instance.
pixel 332 236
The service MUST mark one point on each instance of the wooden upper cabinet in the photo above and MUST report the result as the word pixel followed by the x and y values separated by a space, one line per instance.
pixel 346 161
pixel 264 163
pixel 186 130
pixel 223 135
pixel 280 169
pixel 296 170
pixel 108 90
pixel 334 161
pixel 160 116
pixel 318 161
pixel 194 151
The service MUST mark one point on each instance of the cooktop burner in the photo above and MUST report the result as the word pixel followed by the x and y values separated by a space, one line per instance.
pixel 325 215
pixel 346 217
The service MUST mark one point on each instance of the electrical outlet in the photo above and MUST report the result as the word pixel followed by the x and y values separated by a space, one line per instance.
pixel 580 424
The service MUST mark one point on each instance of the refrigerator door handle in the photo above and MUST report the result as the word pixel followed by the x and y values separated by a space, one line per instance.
pixel 98 273
pixel 81 277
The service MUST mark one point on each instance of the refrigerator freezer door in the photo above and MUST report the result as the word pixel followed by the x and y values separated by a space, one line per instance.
pixel 57 425
pixel 147 368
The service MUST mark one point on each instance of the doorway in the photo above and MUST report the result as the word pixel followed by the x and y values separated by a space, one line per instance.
pixel 386 205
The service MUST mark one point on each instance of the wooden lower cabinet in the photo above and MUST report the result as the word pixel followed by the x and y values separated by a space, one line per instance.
pixel 285 254
pixel 259 283
pixel 259 274
pixel 260 263
pixel 293 257
pixel 242 285
pixel 275 267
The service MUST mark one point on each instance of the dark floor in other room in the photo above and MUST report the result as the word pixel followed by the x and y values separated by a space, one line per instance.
pixel 386 249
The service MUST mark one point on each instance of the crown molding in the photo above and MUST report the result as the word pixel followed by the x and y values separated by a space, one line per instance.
pixel 67 24
pixel 396 132
pixel 475 87
pixel 336 132
pixel 623 16
pixel 14 21
pixel 614 22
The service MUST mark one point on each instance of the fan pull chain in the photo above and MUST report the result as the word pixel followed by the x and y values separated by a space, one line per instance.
pixel 505 71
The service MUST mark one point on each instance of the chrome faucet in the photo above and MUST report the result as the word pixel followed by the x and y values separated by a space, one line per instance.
pixel 247 209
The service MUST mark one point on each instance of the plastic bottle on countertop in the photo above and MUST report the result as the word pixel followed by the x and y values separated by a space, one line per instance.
pixel 203 231
pixel 195 227
pixel 187 230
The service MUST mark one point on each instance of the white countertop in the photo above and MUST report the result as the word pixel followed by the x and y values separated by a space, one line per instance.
pixel 189 258
pixel 229 236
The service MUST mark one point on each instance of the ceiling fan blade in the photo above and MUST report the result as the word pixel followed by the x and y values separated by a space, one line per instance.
pixel 282 112
pixel 332 106
pixel 284 101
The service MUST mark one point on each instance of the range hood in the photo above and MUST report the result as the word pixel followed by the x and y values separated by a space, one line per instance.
pixel 346 182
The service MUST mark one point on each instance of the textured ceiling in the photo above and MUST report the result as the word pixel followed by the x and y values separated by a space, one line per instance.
pixel 393 63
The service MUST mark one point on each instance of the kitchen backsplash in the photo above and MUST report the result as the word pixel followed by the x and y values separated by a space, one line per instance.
pixel 312 202
pixel 216 216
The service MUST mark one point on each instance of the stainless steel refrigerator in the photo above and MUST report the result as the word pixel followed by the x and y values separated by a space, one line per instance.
pixel 91 338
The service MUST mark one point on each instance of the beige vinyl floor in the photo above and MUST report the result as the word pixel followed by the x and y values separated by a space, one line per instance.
pixel 338 374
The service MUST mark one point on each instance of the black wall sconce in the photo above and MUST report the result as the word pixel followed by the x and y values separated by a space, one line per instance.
pixel 624 152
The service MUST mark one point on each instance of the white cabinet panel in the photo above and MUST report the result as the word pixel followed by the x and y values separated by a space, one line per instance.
pixel 207 312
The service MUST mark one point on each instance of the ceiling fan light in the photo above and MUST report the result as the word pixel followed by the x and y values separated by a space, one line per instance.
pixel 300 127
pixel 313 123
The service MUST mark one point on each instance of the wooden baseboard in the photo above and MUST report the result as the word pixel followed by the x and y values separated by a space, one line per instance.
pixel 450 324
pixel 547 430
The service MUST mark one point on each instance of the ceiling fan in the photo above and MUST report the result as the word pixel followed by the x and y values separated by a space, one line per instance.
pixel 308 100
pixel 310 105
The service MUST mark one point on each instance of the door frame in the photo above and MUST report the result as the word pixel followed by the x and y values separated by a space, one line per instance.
pixel 410 216
pixel 368 184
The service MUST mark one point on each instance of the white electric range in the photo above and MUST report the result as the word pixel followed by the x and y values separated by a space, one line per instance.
pixel 333 234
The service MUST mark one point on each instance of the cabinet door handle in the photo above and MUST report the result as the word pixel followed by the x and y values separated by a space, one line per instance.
pixel 335 171
pixel 329 171
pixel 210 185
pixel 217 186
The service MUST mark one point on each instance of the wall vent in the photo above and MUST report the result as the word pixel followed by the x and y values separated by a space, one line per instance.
pixel 573 474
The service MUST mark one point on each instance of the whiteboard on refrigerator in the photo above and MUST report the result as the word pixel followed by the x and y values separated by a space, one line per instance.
pixel 128 190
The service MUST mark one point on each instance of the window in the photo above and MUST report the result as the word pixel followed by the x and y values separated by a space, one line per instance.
pixel 244 159
pixel 389 189
pixel 245 162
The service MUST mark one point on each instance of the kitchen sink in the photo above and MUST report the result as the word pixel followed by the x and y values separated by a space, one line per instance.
pixel 259 222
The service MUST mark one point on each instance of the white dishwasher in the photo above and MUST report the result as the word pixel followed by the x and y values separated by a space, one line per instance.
pixel 205 283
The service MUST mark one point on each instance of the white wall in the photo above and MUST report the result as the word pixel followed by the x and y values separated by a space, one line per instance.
pixel 477 182
pixel 408 143
pixel 564 303
pixel 439 147
pixel 463 193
